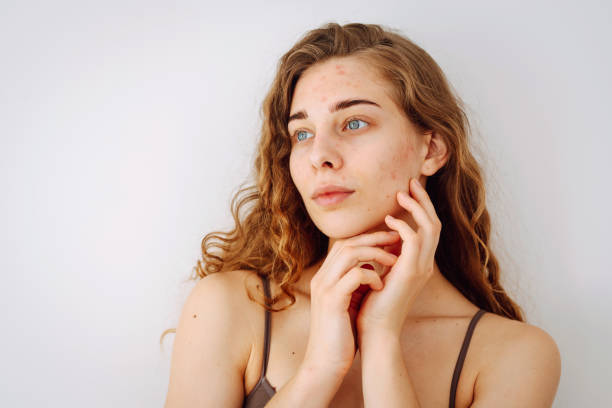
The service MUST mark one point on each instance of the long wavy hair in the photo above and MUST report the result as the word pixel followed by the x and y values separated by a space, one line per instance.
pixel 273 234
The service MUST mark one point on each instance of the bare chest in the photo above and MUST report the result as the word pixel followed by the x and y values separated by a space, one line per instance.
pixel 430 349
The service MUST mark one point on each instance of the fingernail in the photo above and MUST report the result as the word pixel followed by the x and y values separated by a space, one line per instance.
pixel 418 184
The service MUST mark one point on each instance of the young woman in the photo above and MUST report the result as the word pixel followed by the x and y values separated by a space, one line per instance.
pixel 360 275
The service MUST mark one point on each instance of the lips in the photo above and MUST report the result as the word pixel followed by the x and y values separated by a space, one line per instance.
pixel 332 198
pixel 330 194
pixel 330 189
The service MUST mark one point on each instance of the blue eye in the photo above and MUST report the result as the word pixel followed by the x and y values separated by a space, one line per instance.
pixel 301 135
pixel 354 123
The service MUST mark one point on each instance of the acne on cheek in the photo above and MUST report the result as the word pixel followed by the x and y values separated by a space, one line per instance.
pixel 390 167
pixel 395 167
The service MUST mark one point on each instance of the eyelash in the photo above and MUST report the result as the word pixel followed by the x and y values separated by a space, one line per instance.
pixel 343 127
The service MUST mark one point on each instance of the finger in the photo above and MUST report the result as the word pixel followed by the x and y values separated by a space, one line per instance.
pixel 425 240
pixel 395 249
pixel 373 239
pixel 375 266
pixel 354 278
pixel 415 249
pixel 417 211
pixel 420 194
pixel 349 256
pixel 428 222
pixel 410 244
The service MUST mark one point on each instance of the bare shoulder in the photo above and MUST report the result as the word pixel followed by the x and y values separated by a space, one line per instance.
pixel 233 295
pixel 520 364
pixel 212 343
pixel 231 287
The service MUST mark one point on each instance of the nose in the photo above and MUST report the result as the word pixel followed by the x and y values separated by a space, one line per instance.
pixel 325 152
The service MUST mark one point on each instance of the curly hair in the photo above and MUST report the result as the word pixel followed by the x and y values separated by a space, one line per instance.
pixel 275 236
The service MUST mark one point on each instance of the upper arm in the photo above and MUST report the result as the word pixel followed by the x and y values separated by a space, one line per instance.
pixel 525 374
pixel 211 347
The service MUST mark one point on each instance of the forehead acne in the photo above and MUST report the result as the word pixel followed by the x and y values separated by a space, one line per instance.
pixel 340 69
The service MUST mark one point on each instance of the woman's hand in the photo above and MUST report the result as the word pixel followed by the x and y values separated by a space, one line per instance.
pixel 386 310
pixel 332 342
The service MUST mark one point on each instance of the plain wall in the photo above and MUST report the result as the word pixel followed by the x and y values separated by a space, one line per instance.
pixel 125 128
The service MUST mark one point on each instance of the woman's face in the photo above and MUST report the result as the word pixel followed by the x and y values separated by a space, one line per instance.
pixel 368 147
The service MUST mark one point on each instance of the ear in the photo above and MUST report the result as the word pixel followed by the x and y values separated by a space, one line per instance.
pixel 436 153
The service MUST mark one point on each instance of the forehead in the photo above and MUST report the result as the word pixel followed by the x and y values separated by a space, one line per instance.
pixel 336 78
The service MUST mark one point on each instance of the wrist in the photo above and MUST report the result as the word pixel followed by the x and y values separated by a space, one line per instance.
pixel 379 339
pixel 309 387
pixel 314 377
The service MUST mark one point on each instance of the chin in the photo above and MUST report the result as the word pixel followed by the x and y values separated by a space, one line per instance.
pixel 341 227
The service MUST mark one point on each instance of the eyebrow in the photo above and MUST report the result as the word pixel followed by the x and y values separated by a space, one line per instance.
pixel 347 103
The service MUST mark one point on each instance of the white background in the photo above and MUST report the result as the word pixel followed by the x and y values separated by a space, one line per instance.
pixel 126 126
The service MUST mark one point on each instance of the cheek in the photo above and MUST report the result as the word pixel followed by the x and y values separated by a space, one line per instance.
pixel 393 168
pixel 296 173
pixel 293 170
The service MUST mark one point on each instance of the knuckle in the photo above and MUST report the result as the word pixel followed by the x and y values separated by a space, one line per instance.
pixel 437 225
pixel 371 274
pixel 348 251
pixel 339 244
pixel 364 272
pixel 427 272
pixel 357 274
pixel 354 273
pixel 382 254
pixel 431 231
pixel 413 238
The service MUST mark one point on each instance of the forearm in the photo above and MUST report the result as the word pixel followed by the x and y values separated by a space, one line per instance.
pixel 308 388
pixel 386 381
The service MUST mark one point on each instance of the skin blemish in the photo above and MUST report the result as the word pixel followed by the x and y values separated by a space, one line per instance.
pixel 195 315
